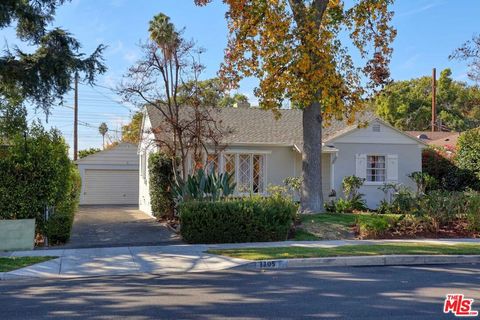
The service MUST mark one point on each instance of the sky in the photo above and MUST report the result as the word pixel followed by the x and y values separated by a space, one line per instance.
pixel 428 31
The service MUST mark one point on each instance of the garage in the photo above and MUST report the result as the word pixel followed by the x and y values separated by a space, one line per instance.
pixel 110 177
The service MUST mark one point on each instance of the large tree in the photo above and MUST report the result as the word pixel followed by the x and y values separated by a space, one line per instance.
pixel 167 79
pixel 407 104
pixel 297 51
pixel 131 131
pixel 210 92
pixel 45 73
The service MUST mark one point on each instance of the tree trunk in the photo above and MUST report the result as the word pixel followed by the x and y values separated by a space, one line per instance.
pixel 312 196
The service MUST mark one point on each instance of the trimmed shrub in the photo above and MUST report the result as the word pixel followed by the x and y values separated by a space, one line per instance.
pixel 36 173
pixel 375 226
pixel 161 184
pixel 59 225
pixel 241 220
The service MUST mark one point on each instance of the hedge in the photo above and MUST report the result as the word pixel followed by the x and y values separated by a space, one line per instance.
pixel 239 220
pixel 35 173
pixel 59 225
pixel 161 184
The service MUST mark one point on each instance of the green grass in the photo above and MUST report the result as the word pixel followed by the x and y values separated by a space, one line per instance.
pixel 333 226
pixel 411 248
pixel 12 263
pixel 325 226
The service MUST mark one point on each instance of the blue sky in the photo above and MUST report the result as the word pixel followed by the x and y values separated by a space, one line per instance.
pixel 428 31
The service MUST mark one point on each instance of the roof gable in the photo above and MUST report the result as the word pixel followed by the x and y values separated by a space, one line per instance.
pixel 123 153
pixel 377 131
pixel 250 126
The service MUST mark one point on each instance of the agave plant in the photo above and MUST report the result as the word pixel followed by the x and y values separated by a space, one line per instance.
pixel 204 186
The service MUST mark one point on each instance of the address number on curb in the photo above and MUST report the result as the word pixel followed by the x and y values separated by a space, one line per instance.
pixel 268 264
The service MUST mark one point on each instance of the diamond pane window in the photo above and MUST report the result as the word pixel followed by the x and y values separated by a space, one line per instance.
pixel 244 173
pixel 258 174
pixel 229 164
pixel 212 163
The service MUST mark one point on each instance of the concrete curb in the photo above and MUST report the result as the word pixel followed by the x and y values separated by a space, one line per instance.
pixel 357 261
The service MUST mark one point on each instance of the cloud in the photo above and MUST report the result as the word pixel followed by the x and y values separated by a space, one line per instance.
pixel 424 8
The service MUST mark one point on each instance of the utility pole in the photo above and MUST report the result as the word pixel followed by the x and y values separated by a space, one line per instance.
pixel 434 99
pixel 75 120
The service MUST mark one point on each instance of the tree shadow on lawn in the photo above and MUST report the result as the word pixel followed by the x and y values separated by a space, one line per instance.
pixel 368 292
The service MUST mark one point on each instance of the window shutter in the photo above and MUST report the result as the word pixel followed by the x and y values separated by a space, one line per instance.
pixel 392 167
pixel 361 165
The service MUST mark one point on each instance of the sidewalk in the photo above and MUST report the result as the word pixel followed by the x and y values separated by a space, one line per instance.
pixel 165 259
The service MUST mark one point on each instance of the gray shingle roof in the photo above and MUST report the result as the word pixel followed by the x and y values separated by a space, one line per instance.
pixel 257 126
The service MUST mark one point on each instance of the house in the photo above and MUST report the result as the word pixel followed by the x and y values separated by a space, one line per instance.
pixel 262 151
pixel 110 176
pixel 436 138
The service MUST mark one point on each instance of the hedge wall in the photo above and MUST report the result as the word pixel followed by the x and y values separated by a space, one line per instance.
pixel 239 220
pixel 161 183
pixel 35 172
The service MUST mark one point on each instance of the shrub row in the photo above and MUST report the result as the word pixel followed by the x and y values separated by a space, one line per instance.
pixel 252 219
pixel 457 212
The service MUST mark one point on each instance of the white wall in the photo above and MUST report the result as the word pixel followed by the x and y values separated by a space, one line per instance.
pixel 145 148
pixel 121 157
pixel 365 141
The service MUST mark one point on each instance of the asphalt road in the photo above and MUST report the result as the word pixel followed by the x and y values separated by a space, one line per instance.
pixel 347 293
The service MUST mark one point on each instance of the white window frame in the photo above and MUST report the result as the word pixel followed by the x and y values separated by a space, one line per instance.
pixel 368 182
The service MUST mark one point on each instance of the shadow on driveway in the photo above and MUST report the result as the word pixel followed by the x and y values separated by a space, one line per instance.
pixel 117 226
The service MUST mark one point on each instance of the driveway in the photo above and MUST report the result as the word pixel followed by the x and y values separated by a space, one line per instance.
pixel 117 226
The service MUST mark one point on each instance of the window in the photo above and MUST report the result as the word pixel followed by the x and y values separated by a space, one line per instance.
pixel 257 183
pixel 244 173
pixel 229 164
pixel 376 128
pixel 247 170
pixel 212 163
pixel 376 168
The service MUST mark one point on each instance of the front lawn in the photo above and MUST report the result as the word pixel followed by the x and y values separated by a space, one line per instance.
pixel 412 248
pixel 325 226
pixel 13 263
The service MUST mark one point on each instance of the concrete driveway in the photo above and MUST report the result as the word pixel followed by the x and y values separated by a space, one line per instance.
pixel 117 226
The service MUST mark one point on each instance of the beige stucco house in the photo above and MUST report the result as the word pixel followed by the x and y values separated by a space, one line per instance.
pixel 262 151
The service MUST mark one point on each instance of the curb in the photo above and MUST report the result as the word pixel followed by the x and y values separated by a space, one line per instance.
pixel 357 261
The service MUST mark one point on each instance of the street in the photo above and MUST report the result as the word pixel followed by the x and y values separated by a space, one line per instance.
pixel 347 293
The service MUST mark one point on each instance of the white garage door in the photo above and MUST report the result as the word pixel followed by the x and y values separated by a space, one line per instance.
pixel 110 187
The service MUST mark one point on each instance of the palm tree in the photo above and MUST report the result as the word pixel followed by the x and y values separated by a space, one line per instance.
pixel 103 129
pixel 163 33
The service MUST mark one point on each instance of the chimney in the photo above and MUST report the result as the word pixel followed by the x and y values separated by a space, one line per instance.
pixel 241 105
pixel 434 100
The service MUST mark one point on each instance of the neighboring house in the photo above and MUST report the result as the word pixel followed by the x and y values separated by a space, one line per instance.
pixel 110 176
pixel 262 151
pixel 436 138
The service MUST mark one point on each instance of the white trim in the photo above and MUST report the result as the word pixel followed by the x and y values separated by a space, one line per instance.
pixel 385 169
pixel 354 128
pixel 332 172
pixel 249 151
